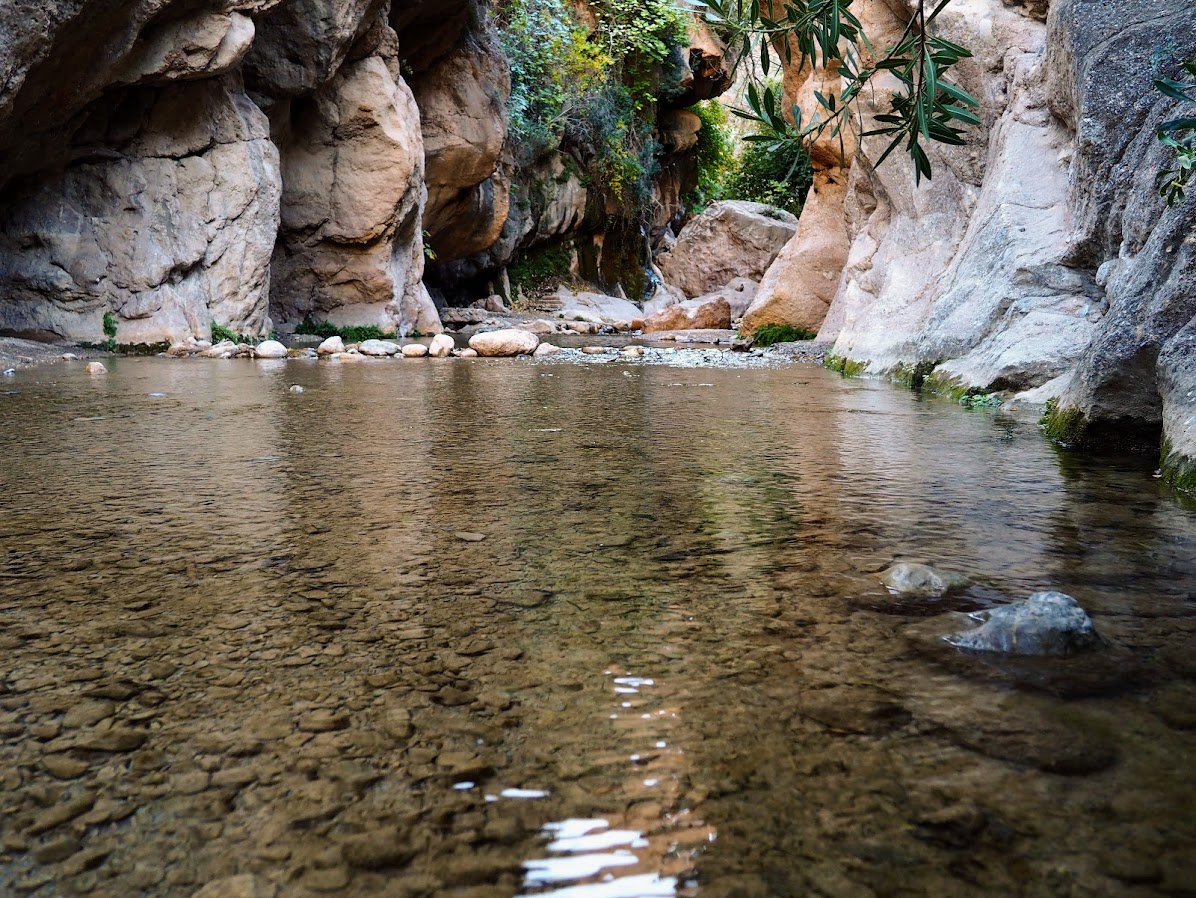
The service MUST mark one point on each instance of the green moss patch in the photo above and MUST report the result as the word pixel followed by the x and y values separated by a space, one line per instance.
pixel 1067 426
pixel 771 334
pixel 845 366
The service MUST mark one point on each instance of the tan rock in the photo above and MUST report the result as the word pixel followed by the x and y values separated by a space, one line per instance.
pixel 546 349
pixel 331 346
pixel 270 349
pixel 414 351
pixel 506 342
pixel 728 240
pixel 351 246
pixel 462 102
pixel 95 368
pixel 441 346
pixel 798 287
pixel 693 314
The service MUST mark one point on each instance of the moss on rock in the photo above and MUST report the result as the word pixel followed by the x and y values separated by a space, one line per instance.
pixel 1068 426
pixel 845 366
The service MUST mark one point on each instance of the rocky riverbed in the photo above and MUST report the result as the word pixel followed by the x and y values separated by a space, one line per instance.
pixel 495 628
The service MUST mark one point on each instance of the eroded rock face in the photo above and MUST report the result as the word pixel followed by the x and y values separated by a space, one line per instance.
pixel 350 249
pixel 728 240
pixel 1039 254
pixel 167 220
pixel 1177 380
pixel 462 101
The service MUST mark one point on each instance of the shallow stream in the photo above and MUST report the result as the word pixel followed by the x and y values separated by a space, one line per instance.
pixel 575 629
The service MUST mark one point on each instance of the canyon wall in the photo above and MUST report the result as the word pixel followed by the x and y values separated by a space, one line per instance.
pixel 1039 257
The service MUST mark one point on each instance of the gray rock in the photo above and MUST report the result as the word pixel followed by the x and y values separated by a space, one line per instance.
pixel 1047 623
pixel 910 578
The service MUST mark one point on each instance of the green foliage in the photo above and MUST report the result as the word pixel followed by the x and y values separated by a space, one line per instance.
pixel 771 334
pixel 539 268
pixel 593 94
pixel 773 168
pixel 713 155
pixel 351 334
pixel 109 325
pixel 927 107
pixel 220 333
pixel 1179 135
pixel 978 399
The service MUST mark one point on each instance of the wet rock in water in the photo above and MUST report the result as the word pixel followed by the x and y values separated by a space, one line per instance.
pixel 295 388
pixel 377 850
pixel 465 353
pixel 546 349
pixel 246 885
pixel 441 346
pixel 853 709
pixel 909 578
pixel 1047 623
pixel 470 536
pixel 414 351
pixel 377 348
pixel 506 342
pixel 95 368
pixel 633 352
pixel 331 346
pixel 270 349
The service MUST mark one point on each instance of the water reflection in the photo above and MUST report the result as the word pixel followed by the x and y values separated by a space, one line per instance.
pixel 398 634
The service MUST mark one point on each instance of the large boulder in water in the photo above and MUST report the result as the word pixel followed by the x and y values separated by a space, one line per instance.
pixel 509 341
pixel 1047 623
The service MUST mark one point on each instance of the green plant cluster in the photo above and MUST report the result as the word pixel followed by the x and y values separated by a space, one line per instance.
pixel 926 108
pixel 109 322
pixel 979 400
pixel 771 334
pixel 221 333
pixel 540 267
pixel 1178 134
pixel 713 155
pixel 351 334
pixel 593 93
pixel 771 170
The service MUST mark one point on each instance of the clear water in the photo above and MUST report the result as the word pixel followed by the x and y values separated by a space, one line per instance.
pixel 582 630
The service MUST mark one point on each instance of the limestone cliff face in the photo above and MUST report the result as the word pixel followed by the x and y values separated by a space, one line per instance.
pixel 1039 253
pixel 178 163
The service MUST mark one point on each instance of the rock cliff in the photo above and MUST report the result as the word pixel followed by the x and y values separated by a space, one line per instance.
pixel 1039 254
pixel 170 164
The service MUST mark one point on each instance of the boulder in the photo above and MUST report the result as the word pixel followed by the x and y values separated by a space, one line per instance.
pixel 1047 623
pixel 595 308
pixel 490 304
pixel 414 351
pixel 442 345
pixel 728 240
pixel 95 368
pixel 506 342
pixel 377 348
pixel 546 349
pixel 739 293
pixel 466 353
pixel 331 346
pixel 693 314
pixel 270 349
